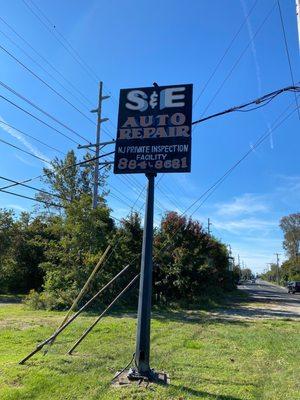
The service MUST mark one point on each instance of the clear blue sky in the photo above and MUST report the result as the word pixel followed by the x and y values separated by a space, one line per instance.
pixel 134 43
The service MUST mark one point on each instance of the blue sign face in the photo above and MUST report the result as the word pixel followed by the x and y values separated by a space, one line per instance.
pixel 154 130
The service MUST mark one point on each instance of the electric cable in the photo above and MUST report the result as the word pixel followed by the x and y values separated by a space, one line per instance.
pixel 261 101
pixel 226 52
pixel 76 56
pixel 46 61
pixel 240 57
pixel 123 369
pixel 48 203
pixel 38 119
pixel 31 137
pixel 82 64
pixel 10 89
pixel 25 151
pixel 30 187
pixel 287 52
pixel 43 69
pixel 46 84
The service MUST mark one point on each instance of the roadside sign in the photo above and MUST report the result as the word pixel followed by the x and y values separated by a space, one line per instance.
pixel 154 130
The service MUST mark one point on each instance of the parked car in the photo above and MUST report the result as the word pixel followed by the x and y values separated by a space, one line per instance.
pixel 293 287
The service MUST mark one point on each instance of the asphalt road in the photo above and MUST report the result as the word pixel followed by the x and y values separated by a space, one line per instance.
pixel 267 292
pixel 268 300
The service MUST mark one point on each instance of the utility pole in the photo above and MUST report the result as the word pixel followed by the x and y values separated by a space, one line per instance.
pixel 97 145
pixel 277 263
pixel 239 260
pixel 98 131
pixel 208 225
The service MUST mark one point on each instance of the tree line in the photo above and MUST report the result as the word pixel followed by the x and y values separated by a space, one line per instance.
pixel 50 252
pixel 289 270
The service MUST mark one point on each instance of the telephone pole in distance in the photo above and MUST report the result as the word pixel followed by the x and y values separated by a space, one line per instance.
pixel 97 145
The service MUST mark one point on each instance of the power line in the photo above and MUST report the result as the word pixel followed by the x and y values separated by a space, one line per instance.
pixel 32 198
pixel 75 55
pixel 41 110
pixel 46 84
pixel 230 170
pixel 46 61
pixel 30 187
pixel 25 151
pixel 31 137
pixel 225 53
pixel 38 119
pixel 42 68
pixel 214 187
pixel 60 170
pixel 76 58
pixel 260 102
pixel 287 52
pixel 239 58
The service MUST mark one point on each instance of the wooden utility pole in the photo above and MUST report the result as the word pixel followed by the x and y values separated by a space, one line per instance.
pixel 98 131
pixel 277 263
pixel 208 225
pixel 97 145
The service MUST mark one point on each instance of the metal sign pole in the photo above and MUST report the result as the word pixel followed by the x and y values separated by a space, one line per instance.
pixel 142 353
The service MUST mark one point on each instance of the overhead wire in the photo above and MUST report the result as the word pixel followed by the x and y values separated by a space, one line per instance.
pixel 240 57
pixel 30 102
pixel 30 187
pixel 207 193
pixel 226 52
pixel 76 58
pixel 31 137
pixel 287 51
pixel 46 84
pixel 44 69
pixel 31 198
pixel 38 119
pixel 25 151
pixel 75 55
pixel 261 101
pixel 46 61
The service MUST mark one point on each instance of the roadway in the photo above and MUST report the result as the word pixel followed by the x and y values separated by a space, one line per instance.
pixel 273 299
pixel 264 300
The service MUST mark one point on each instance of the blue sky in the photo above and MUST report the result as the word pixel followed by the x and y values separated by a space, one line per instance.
pixel 134 43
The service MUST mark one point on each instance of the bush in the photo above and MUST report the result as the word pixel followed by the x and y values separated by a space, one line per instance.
pixel 35 300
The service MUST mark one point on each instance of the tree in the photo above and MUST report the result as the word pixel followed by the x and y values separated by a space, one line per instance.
pixel 67 182
pixel 187 260
pixel 22 249
pixel 291 229
pixel 246 273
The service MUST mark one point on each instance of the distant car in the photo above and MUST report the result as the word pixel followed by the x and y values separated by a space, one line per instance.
pixel 293 287
pixel 253 281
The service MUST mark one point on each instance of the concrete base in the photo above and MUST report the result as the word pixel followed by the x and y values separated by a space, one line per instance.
pixel 130 377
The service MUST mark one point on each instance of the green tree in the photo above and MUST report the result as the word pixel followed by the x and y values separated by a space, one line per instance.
pixel 291 230
pixel 187 260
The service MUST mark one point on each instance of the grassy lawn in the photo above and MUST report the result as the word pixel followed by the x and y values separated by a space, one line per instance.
pixel 205 358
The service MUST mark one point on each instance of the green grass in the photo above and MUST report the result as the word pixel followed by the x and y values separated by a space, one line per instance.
pixel 205 358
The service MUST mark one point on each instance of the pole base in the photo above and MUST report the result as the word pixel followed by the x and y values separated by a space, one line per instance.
pixel 133 377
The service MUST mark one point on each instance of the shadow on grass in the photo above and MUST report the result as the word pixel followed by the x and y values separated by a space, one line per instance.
pixel 194 317
pixel 11 299
pixel 201 393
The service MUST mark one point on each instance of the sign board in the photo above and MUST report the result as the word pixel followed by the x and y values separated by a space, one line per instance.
pixel 154 130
